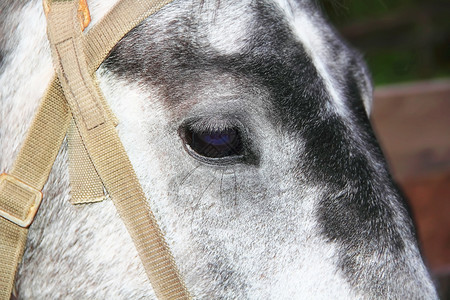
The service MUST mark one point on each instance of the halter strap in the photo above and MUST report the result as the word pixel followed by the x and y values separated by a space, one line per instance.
pixel 29 173
pixel 76 57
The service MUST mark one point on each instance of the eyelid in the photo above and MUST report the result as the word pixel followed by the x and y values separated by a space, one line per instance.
pixel 213 124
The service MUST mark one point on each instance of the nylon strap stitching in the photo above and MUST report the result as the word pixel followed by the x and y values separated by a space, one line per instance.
pixel 89 111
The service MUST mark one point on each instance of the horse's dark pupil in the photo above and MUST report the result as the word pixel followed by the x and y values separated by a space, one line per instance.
pixel 216 144
pixel 216 138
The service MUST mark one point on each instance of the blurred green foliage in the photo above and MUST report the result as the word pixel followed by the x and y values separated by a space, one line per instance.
pixel 402 40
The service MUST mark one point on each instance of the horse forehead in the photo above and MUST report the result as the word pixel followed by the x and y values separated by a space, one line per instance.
pixel 229 26
pixel 188 40
pixel 227 29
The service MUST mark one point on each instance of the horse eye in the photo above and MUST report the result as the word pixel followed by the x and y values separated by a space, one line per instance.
pixel 215 144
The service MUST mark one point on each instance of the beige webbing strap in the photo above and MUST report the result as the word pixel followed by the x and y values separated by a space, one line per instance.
pixel 85 185
pixel 20 190
pixel 106 151
pixel 123 17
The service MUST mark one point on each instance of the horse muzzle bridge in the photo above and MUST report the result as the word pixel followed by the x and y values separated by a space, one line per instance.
pixel 74 100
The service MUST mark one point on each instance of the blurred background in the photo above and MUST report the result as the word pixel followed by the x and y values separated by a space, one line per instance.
pixel 406 44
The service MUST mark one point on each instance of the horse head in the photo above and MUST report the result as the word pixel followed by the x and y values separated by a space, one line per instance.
pixel 247 125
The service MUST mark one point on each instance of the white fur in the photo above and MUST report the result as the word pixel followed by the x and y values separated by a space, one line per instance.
pixel 228 33
pixel 19 98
